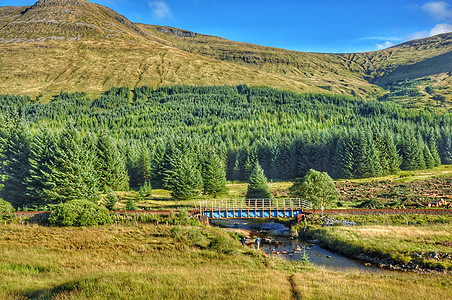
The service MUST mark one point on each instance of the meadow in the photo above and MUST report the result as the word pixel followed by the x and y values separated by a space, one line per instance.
pixel 426 246
pixel 146 261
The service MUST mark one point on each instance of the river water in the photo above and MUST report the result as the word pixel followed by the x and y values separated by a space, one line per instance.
pixel 276 241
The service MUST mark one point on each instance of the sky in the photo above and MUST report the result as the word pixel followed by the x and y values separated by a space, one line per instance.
pixel 330 26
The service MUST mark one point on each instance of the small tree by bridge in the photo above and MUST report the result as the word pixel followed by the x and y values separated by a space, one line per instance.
pixel 317 187
pixel 258 187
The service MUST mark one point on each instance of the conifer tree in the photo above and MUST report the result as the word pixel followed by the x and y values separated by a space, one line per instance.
pixel 158 166
pixel 42 157
pixel 258 185
pixel 390 159
pixel 428 157
pixel 15 165
pixel 71 173
pixel 183 178
pixel 411 149
pixel 446 148
pixel 346 150
pixel 434 151
pixel 110 165
pixel 214 176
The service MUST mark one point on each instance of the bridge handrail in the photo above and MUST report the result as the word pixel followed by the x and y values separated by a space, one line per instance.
pixel 253 204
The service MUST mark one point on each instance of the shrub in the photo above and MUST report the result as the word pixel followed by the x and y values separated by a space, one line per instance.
pixel 111 200
pixel 183 218
pixel 5 206
pixel 146 190
pixel 191 236
pixel 131 205
pixel 223 244
pixel 79 213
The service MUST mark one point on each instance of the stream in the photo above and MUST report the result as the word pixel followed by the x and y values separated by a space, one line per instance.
pixel 276 241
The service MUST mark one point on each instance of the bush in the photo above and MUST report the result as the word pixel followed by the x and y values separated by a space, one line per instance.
pixel 223 244
pixel 111 200
pixel 183 218
pixel 191 236
pixel 146 190
pixel 79 213
pixel 131 205
pixel 5 206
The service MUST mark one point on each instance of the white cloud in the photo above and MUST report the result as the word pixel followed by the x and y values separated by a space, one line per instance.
pixel 160 9
pixel 441 28
pixel 440 10
pixel 438 29
pixel 385 45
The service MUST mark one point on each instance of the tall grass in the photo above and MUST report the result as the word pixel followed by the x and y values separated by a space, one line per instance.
pixel 149 261
pixel 402 244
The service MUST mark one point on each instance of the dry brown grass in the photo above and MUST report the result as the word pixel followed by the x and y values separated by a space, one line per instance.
pixel 126 261
pixel 323 284
pixel 403 232
pixel 146 262
pixel 404 244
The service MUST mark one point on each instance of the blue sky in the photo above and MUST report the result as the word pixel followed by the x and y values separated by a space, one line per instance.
pixel 310 26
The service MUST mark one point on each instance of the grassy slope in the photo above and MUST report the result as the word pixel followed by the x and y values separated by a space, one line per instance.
pixel 86 47
pixel 97 66
pixel 145 261
pixel 91 48
pixel 400 243
pixel 344 73
pixel 322 72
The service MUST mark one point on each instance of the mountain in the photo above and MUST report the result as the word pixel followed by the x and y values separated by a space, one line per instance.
pixel 75 45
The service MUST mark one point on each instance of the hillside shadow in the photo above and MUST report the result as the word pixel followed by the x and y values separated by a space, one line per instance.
pixel 432 66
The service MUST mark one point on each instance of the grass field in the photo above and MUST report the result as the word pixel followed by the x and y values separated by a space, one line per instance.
pixel 428 245
pixel 168 262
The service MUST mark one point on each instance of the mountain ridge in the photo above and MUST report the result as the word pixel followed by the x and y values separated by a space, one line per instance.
pixel 75 45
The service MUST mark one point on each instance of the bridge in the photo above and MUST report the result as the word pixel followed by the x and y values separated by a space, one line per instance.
pixel 253 208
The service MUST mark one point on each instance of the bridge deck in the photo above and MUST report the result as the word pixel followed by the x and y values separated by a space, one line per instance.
pixel 254 208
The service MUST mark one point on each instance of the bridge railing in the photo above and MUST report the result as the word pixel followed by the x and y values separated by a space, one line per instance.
pixel 254 204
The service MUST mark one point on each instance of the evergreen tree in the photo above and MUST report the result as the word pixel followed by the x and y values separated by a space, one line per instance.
pixel 345 153
pixel 258 185
pixel 183 178
pixel 446 148
pixel 411 148
pixel 110 165
pixel 71 173
pixel 131 205
pixel 317 187
pixel 214 176
pixel 428 157
pixel 434 152
pixel 111 200
pixel 387 152
pixel 15 165
pixel 145 190
pixel 367 161
pixel 42 157
pixel 158 166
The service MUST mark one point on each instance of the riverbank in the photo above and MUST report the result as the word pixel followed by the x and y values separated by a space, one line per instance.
pixel 148 261
pixel 419 248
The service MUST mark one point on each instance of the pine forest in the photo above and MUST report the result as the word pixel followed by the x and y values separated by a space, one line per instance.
pixel 190 140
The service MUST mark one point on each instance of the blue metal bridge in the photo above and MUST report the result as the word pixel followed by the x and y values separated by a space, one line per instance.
pixel 253 208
